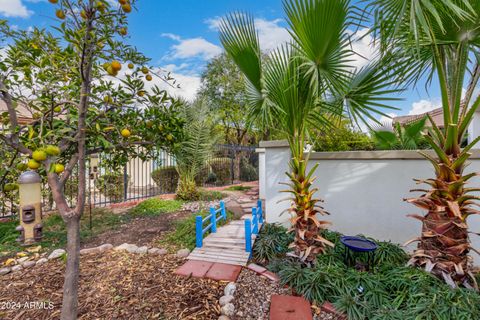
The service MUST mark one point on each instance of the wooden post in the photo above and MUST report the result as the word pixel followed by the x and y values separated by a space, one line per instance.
pixel 198 231
pixel 213 217
pixel 248 235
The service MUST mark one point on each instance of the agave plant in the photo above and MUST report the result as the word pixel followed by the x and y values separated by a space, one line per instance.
pixel 440 39
pixel 192 153
pixel 304 84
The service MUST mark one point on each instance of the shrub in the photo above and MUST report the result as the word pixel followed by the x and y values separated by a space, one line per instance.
pixel 271 243
pixel 211 195
pixel 111 185
pixel 222 168
pixel 166 179
pixel 155 206
pixel 247 171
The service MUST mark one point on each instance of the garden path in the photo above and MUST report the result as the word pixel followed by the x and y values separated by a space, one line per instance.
pixel 227 245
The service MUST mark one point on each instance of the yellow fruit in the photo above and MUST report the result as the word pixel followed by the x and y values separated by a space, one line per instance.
pixel 60 14
pixel 57 109
pixel 141 93
pixel 39 155
pixel 83 14
pixel 145 70
pixel 52 150
pixel 101 6
pixel 32 164
pixel 122 2
pixel 127 8
pixel 130 66
pixel 106 65
pixel 148 77
pixel 123 31
pixel 59 168
pixel 169 137
pixel 111 71
pixel 126 133
pixel 53 1
pixel 117 66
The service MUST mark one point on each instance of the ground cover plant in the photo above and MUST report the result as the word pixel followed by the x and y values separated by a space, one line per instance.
pixel 390 291
pixel 238 188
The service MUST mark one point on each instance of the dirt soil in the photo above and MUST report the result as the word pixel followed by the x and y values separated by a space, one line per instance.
pixel 113 285
pixel 140 231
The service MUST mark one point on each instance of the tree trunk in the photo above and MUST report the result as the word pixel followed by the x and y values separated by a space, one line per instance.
pixel 72 270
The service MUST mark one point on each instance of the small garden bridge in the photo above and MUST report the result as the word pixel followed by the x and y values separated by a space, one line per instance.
pixel 233 242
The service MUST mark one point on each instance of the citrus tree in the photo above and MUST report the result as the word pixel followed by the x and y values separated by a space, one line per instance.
pixel 86 91
pixel 440 40
pixel 304 84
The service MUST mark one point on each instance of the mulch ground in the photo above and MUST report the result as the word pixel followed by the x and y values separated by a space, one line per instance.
pixel 114 285
pixel 140 231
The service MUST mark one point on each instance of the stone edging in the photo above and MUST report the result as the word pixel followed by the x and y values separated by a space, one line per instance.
pixel 227 308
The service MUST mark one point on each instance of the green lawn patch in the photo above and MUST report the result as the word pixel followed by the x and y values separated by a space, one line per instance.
pixel 184 234
pixel 155 206
pixel 238 188
pixel 211 195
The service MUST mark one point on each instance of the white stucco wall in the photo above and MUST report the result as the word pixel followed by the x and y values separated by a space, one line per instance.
pixel 261 172
pixel 363 191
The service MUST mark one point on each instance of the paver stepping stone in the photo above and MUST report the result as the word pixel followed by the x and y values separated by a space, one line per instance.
pixel 194 268
pixel 224 272
pixel 289 308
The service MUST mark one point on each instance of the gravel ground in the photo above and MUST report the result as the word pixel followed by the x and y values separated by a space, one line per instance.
pixel 252 297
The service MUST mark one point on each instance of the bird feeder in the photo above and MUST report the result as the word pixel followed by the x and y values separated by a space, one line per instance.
pixel 30 207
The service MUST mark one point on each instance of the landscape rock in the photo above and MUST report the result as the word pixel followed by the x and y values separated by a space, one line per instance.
pixel 230 289
pixel 183 253
pixel 16 268
pixel 225 299
pixel 57 253
pixel 41 261
pixel 157 251
pixel 28 264
pixel 142 250
pixel 127 247
pixel 22 260
pixel 4 271
pixel 105 247
pixel 228 310
pixel 89 250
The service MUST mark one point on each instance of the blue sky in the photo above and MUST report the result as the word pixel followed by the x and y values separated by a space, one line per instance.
pixel 181 36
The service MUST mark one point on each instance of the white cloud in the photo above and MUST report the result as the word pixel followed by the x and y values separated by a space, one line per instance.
pixel 363 46
pixel 270 32
pixel 14 8
pixel 192 48
pixel 423 106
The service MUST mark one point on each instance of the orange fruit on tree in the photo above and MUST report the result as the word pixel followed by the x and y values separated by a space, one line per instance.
pixel 111 71
pixel 125 133
pixel 130 66
pixel 117 66
pixel 53 1
pixel 148 77
pixel 123 31
pixel 122 2
pixel 60 14
pixel 127 8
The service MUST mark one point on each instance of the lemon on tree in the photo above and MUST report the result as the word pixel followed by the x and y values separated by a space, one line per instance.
pixel 39 155
pixel 125 133
pixel 57 109
pixel 33 164
pixel 60 14
pixel 123 31
pixel 127 8
pixel 148 77
pixel 59 168
pixel 130 66
pixel 145 70
pixel 52 150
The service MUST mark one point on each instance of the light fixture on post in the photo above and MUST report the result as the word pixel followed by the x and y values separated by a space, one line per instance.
pixel 30 198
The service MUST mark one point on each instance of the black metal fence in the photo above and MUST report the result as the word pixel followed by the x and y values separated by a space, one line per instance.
pixel 140 179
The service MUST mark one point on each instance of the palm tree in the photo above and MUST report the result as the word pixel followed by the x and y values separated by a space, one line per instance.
pixel 400 137
pixel 197 145
pixel 440 40
pixel 304 84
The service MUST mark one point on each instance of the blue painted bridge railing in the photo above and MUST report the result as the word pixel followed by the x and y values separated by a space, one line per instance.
pixel 212 220
pixel 251 226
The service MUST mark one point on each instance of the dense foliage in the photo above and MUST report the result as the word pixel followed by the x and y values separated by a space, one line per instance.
pixel 166 178
pixel 390 291
pixel 401 137
pixel 341 137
